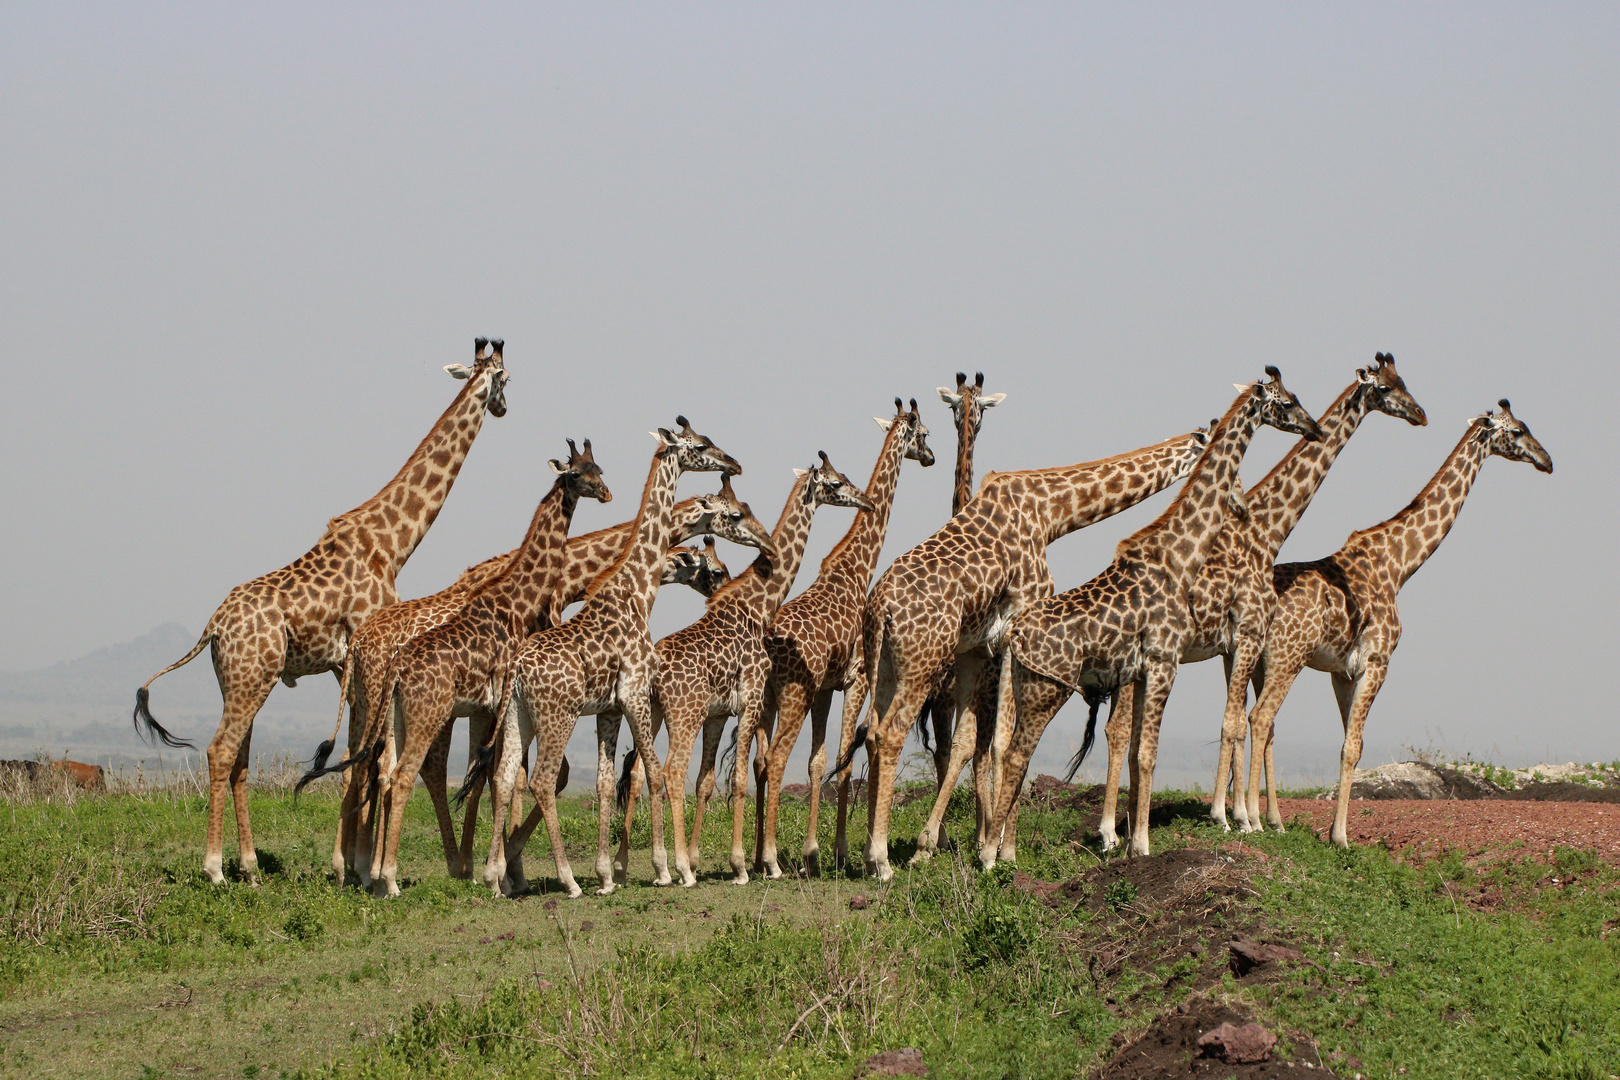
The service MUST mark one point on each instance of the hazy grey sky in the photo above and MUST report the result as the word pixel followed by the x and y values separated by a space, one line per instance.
pixel 239 246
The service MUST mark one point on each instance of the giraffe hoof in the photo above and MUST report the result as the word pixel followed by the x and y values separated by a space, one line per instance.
pixel 741 878
pixel 661 882
pixel 606 890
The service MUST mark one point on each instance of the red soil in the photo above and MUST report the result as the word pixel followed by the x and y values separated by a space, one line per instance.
pixel 1482 827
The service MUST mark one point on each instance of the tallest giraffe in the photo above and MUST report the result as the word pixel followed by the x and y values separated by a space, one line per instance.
pixel 297 620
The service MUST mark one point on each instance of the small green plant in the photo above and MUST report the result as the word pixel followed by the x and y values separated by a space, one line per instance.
pixel 303 925
pixel 999 933
pixel 1121 893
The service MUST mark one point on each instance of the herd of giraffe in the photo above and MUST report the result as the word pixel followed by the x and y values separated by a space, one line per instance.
pixel 963 637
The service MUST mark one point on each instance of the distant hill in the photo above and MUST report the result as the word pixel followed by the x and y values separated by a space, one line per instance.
pixel 83 706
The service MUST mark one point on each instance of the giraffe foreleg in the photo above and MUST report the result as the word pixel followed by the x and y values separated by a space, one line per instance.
pixel 1161 677
pixel 886 742
pixel 1355 722
pixel 1117 733
pixel 854 696
pixel 683 731
pixel 1229 766
pixel 793 701
pixel 1033 701
pixel 964 745
pixel 634 696
pixel 1281 671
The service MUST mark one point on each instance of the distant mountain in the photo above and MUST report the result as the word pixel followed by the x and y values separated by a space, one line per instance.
pixel 109 676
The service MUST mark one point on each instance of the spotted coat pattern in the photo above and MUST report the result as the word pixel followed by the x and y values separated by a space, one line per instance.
pixel 297 620
pixel 944 602
pixel 600 662
pixel 1130 623
pixel 1339 614
pixel 814 644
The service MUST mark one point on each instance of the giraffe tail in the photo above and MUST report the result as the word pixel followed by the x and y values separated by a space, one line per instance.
pixel 145 724
pixel 621 790
pixel 317 764
pixel 856 741
pixel 1094 699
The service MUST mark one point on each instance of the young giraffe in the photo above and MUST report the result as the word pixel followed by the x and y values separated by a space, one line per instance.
pixel 948 601
pixel 599 662
pixel 718 666
pixel 814 644
pixel 379 639
pixel 1231 602
pixel 967 411
pixel 1339 614
pixel 1130 623
pixel 464 663
pixel 297 621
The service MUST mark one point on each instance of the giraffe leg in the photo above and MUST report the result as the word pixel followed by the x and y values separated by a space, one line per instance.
pixel 636 702
pixel 543 786
pixel 677 762
pixel 510 747
pixel 239 796
pixel 712 730
pixel 1034 701
pixel 1281 671
pixel 793 701
pixel 750 726
pixel 435 777
pixel 854 695
pixel 1117 733
pixel 621 861
pixel 887 741
pixel 478 728
pixel 244 689
pixel 846 740
pixel 607 744
pixel 964 746
pixel 1234 722
pixel 1360 698
pixel 399 792
pixel 351 785
pixel 1161 676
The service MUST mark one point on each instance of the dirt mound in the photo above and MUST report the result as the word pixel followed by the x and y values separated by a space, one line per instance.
pixel 1563 791
pixel 1170 1049
pixel 1049 793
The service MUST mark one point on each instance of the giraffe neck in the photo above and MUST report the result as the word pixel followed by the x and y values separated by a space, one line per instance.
pixel 764 585
pixel 856 555
pixel 1279 500
pixel 1181 539
pixel 396 519
pixel 519 593
pixel 1065 499
pixel 964 455
pixel 633 580
pixel 1411 536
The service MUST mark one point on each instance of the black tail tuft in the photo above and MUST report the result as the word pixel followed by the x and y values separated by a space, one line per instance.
pixel 922 725
pixel 1094 700
pixel 154 731
pixel 728 759
pixel 621 790
pixel 477 772
pixel 849 755
pixel 318 767
pixel 322 752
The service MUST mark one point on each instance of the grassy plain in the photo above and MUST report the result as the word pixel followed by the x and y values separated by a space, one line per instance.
pixel 118 959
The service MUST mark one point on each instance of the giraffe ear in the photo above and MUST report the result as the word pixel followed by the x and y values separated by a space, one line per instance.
pixel 800 472
pixel 663 435
pixel 947 396
pixel 884 424
pixel 458 371
pixel 557 466
pixel 1241 386
pixel 990 400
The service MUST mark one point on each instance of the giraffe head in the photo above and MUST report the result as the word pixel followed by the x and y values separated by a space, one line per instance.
pixel 732 520
pixel 700 568
pixel 697 453
pixel 1384 390
pixel 1508 437
pixel 829 487
pixel 913 434
pixel 488 373
pixel 1280 407
pixel 969 402
pixel 581 475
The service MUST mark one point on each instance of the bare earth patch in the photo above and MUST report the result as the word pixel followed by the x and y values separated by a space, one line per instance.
pixel 1476 827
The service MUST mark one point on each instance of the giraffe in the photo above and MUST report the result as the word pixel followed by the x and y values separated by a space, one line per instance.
pixel 718 666
pixel 297 621
pixel 462 664
pixel 945 604
pixel 1339 614
pixel 967 411
pixel 381 636
pixel 1130 623
pixel 1231 603
pixel 814 644
pixel 599 662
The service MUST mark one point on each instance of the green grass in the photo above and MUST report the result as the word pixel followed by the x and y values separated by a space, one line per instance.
pixel 117 958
